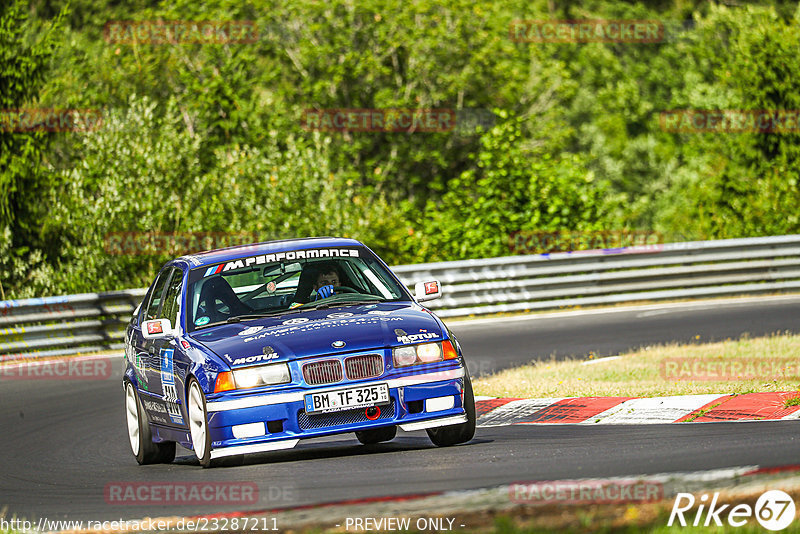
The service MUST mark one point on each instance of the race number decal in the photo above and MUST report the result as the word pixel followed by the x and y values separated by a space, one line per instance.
pixel 167 367
pixel 168 385
pixel 171 397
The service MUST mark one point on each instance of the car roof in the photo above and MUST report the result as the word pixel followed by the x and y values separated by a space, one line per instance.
pixel 211 257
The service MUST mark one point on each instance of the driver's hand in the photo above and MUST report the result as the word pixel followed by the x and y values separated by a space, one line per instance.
pixel 325 292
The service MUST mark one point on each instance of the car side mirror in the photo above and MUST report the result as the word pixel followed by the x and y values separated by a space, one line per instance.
pixel 429 290
pixel 157 329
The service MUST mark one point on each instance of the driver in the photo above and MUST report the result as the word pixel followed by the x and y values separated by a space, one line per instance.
pixel 317 282
pixel 327 279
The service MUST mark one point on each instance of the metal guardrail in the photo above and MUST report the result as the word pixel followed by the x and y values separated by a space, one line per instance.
pixel 695 269
pixel 70 324
pixel 95 321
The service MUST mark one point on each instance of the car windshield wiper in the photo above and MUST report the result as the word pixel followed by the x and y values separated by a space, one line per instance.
pixel 209 325
pixel 305 307
pixel 274 313
pixel 245 317
pixel 332 304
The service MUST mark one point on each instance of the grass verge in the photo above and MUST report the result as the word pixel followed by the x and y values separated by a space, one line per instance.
pixel 729 367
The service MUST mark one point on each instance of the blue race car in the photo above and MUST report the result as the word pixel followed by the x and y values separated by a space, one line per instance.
pixel 253 348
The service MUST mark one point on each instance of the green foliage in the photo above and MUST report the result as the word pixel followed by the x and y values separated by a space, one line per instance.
pixel 511 188
pixel 25 49
pixel 142 173
pixel 396 54
pixel 739 184
pixel 24 59
pixel 27 270
pixel 208 137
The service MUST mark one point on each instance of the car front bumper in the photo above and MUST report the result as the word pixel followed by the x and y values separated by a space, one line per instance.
pixel 418 401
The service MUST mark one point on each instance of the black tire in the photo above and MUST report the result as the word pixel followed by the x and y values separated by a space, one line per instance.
pixel 445 436
pixel 376 435
pixel 142 445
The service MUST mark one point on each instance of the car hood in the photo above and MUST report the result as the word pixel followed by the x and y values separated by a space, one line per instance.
pixel 336 330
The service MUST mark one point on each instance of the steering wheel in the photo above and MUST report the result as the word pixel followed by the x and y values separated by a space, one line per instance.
pixel 336 290
pixel 343 289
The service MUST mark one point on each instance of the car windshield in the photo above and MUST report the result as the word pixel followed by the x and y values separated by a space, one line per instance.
pixel 274 284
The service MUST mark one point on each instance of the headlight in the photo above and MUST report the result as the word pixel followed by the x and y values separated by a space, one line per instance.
pixel 423 353
pixel 429 352
pixel 263 375
pixel 404 356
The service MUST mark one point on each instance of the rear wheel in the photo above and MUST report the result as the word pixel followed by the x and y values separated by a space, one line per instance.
pixel 446 436
pixel 376 435
pixel 139 434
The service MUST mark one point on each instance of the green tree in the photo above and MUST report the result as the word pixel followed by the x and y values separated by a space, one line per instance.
pixel 26 47
pixel 514 187
pixel 738 184
pixel 145 172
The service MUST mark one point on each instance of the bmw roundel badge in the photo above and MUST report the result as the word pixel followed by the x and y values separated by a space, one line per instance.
pixel 338 344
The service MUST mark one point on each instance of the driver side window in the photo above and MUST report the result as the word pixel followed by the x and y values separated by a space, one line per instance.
pixel 172 299
pixel 155 296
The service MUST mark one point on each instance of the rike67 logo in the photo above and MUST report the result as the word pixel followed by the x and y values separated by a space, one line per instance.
pixel 774 510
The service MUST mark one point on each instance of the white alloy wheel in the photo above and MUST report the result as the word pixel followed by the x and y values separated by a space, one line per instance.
pixel 198 424
pixel 132 411
pixel 140 434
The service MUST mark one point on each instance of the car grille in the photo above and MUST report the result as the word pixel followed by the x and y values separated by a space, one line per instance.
pixel 344 417
pixel 324 372
pixel 365 366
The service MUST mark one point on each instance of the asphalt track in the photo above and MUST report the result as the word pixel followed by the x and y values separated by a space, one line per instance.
pixel 62 443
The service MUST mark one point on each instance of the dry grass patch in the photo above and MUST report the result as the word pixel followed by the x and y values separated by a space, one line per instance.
pixel 748 365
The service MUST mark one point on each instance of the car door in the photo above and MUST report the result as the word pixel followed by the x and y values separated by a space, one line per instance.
pixel 172 364
pixel 144 358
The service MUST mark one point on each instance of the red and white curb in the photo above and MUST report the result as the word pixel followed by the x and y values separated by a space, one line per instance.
pixel 636 411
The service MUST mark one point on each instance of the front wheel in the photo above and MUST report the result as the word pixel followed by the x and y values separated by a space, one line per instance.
pixel 446 436
pixel 198 429
pixel 198 424
pixel 139 434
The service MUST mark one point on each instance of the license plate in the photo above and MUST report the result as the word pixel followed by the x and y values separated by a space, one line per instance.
pixel 347 399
